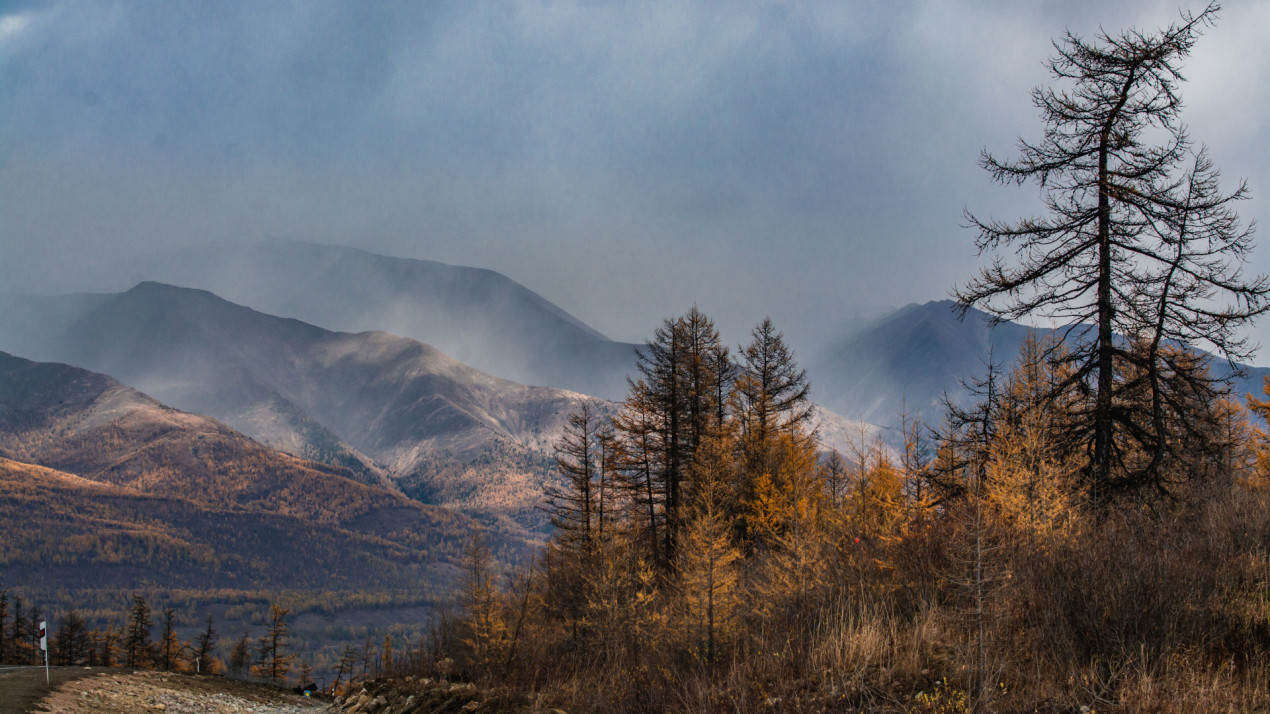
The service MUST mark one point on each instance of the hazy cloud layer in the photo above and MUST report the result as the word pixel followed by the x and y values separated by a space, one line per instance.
pixel 804 160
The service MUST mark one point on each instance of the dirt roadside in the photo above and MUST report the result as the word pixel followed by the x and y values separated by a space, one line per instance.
pixel 20 689
pixel 114 691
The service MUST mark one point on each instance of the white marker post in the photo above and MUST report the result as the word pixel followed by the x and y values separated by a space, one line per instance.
pixel 44 647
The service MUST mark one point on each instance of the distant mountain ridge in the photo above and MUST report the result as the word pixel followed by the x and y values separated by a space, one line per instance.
pixel 385 406
pixel 478 316
pixel 908 359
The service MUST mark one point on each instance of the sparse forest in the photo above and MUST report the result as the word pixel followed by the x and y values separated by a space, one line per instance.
pixel 245 635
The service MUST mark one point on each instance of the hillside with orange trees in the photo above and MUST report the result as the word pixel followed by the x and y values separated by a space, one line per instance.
pixel 103 485
pixel 64 531
pixel 90 425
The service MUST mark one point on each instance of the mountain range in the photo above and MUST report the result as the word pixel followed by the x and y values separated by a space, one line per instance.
pixel 902 361
pixel 395 411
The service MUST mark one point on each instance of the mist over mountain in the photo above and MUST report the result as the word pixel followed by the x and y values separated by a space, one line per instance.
pixel 31 324
pixel 141 492
pixel 382 405
pixel 480 317
pixel 177 360
pixel 909 358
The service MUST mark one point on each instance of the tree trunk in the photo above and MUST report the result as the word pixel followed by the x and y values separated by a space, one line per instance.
pixel 1103 416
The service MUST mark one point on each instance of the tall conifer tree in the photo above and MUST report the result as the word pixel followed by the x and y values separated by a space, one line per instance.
pixel 136 643
pixel 574 506
pixel 672 407
pixel 1138 242
pixel 204 646
pixel 771 393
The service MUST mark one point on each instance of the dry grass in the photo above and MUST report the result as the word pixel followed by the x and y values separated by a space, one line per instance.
pixel 1165 611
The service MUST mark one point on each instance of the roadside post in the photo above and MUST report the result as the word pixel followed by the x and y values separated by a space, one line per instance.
pixel 44 647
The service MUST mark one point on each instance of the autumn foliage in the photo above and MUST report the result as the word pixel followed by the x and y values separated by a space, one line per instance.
pixel 738 566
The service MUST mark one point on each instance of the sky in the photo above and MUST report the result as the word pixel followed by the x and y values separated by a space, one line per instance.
pixel 810 161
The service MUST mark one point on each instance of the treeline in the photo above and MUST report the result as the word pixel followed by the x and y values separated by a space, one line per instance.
pixel 246 606
pixel 135 644
pixel 709 555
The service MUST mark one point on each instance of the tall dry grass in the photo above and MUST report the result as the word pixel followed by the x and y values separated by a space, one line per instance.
pixel 1163 609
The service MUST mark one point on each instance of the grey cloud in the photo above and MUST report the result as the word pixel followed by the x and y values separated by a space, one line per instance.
pixel 804 160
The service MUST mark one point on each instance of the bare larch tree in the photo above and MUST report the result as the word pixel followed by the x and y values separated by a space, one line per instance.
pixel 1138 255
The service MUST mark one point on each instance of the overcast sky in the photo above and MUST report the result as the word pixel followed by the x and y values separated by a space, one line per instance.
pixel 807 160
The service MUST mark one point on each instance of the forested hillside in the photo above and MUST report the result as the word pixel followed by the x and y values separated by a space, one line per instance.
pixel 106 493
pixel 88 542
pixel 119 491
